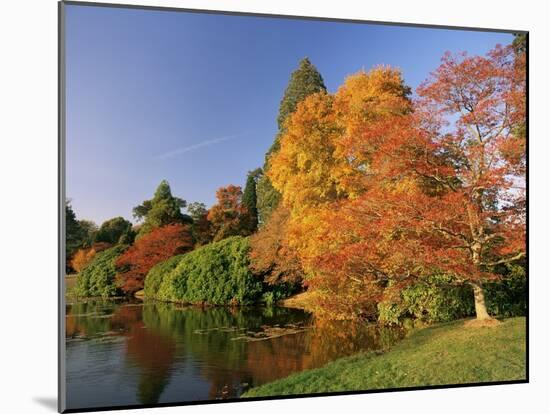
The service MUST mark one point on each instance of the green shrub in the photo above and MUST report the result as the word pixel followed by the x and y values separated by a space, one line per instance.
pixel 216 274
pixel 155 276
pixel 274 293
pixel 508 297
pixel 437 300
pixel 432 300
pixel 97 278
pixel 268 298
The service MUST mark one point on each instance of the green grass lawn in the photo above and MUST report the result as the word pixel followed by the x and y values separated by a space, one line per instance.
pixel 443 354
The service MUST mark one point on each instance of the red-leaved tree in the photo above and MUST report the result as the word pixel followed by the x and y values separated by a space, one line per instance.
pixel 444 189
pixel 152 248
pixel 479 104
pixel 229 216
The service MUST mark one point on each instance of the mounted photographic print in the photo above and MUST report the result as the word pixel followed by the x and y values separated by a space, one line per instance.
pixel 260 206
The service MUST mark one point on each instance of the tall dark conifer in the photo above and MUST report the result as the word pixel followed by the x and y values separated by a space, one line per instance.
pixel 250 198
pixel 74 234
pixel 304 81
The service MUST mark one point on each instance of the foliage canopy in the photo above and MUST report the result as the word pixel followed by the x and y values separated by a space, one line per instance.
pixel 161 210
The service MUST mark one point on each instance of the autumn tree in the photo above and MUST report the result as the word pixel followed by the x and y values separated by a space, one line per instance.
pixel 85 255
pixel 153 247
pixel 112 230
pixel 302 169
pixel 314 164
pixel 161 210
pixel 271 256
pixel 201 229
pixel 304 81
pixel 81 258
pixel 479 104
pixel 515 150
pixel 324 160
pixel 229 216
pixel 401 194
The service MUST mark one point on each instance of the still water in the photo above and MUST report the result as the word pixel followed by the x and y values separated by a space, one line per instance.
pixel 124 353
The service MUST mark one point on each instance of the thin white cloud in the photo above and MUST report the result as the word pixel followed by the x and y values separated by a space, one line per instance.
pixel 183 150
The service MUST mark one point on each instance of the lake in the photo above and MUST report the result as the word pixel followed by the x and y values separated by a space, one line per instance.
pixel 122 352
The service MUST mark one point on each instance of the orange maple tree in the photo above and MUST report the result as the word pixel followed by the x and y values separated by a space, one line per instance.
pixel 229 216
pixel 81 258
pixel 270 252
pixel 84 256
pixel 152 248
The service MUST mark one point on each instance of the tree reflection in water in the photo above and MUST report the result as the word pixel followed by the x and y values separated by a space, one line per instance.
pixel 151 352
pixel 225 349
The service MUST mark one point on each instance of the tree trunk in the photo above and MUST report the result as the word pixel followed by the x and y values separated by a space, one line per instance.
pixel 479 300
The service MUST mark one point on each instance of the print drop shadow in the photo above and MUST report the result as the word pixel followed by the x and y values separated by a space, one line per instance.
pixel 48 402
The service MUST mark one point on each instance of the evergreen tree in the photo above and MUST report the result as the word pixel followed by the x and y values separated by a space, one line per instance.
pixel 268 198
pixel 161 210
pixel 201 228
pixel 89 229
pixel 78 234
pixel 74 233
pixel 112 230
pixel 304 81
pixel 197 210
pixel 250 198
pixel 520 43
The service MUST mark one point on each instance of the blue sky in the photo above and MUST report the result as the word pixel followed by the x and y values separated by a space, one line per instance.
pixel 193 98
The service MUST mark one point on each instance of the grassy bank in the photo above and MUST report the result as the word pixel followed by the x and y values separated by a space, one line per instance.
pixel 444 354
pixel 70 283
pixel 304 300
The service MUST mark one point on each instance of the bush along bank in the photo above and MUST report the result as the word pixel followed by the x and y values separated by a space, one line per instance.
pixel 215 274
pixel 97 278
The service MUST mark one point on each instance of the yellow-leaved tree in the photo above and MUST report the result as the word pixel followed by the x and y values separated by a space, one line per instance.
pixel 324 161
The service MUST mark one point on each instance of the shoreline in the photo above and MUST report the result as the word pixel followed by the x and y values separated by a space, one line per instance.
pixel 441 354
